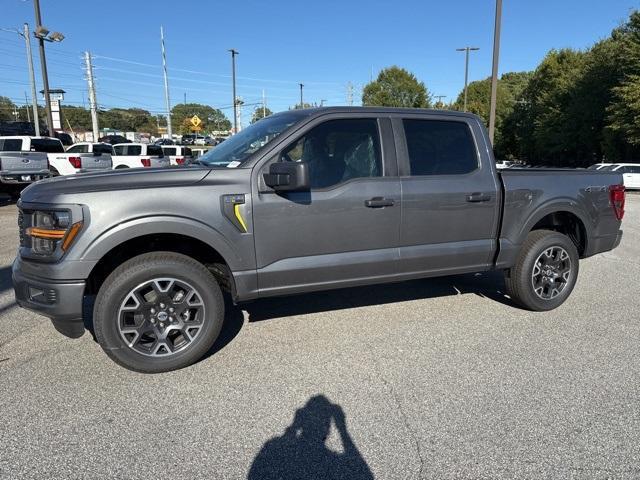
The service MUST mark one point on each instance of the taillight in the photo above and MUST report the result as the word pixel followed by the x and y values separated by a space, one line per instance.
pixel 76 162
pixel 146 162
pixel 617 197
pixel 179 161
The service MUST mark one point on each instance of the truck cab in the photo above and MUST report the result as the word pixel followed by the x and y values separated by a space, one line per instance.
pixel 138 155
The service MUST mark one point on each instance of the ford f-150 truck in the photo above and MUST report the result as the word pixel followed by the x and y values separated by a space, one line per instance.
pixel 19 168
pixel 300 201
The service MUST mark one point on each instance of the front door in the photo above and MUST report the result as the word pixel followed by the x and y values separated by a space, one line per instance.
pixel 344 230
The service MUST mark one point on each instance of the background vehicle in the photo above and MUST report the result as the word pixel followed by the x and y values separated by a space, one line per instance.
pixel 505 164
pixel 75 160
pixel 64 138
pixel 114 139
pixel 138 155
pixel 177 154
pixel 300 201
pixel 188 139
pixel 19 168
pixel 163 141
pixel 630 174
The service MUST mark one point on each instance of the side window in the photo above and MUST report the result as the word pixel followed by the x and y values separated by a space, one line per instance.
pixel 337 151
pixel 79 149
pixel 438 147
pixel 102 148
pixel 169 151
pixel 133 150
pixel 118 150
pixel 634 169
pixel 10 145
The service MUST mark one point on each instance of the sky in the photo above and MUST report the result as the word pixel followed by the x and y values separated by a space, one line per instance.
pixel 324 44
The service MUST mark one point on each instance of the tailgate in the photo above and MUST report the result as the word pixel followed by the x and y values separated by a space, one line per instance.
pixel 23 162
pixel 160 161
pixel 92 162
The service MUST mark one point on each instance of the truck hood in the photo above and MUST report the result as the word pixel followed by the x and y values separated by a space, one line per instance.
pixel 112 180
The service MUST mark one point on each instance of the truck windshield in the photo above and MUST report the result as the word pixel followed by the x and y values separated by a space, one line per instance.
pixel 236 149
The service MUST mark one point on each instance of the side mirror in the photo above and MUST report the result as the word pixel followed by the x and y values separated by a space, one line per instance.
pixel 288 176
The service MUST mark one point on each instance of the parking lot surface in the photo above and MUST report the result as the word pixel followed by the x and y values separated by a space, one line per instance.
pixel 436 378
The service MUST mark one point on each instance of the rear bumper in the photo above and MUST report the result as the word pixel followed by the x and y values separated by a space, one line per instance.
pixel 60 301
pixel 16 177
pixel 603 244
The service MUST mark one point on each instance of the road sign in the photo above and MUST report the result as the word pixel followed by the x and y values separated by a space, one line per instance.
pixel 195 121
pixel 196 129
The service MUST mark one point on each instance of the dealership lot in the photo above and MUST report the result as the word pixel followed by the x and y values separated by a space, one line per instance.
pixel 436 378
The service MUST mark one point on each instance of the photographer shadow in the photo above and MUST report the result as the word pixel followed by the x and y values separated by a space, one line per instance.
pixel 301 451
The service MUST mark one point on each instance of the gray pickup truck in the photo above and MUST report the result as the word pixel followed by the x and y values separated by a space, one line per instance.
pixel 300 201
pixel 19 168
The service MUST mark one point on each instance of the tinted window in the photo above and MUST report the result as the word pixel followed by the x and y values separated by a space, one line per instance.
pixel 634 169
pixel 101 148
pixel 118 150
pixel 186 152
pixel 10 145
pixel 46 145
pixel 169 151
pixel 134 150
pixel 337 151
pixel 438 147
pixel 155 150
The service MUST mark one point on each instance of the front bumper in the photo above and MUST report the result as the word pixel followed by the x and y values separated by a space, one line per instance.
pixel 61 301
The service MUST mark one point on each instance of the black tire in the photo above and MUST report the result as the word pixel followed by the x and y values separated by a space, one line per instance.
pixel 54 172
pixel 520 279
pixel 120 285
pixel 120 167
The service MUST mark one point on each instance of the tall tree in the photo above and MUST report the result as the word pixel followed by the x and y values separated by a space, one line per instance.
pixel 396 87
pixel 6 109
pixel 260 113
pixel 212 118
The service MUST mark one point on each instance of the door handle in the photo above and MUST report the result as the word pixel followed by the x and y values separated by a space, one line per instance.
pixel 379 202
pixel 478 197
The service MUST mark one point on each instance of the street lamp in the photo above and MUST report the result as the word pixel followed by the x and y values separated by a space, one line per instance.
pixel 234 52
pixel 301 102
pixel 466 70
pixel 494 70
pixel 42 34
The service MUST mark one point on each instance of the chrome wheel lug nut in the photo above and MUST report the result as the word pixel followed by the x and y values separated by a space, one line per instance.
pixel 171 309
pixel 153 310
pixel 161 325
pixel 162 305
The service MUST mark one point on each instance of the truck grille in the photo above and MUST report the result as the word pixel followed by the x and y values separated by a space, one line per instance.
pixel 21 228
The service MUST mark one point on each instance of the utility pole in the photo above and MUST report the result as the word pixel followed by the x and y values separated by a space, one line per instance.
pixel 166 84
pixel 350 94
pixel 26 106
pixel 322 102
pixel 494 70
pixel 32 79
pixel 234 52
pixel 185 98
pixel 301 102
pixel 466 70
pixel 439 98
pixel 43 65
pixel 16 114
pixel 93 104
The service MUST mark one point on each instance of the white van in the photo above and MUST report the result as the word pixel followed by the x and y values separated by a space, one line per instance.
pixel 138 155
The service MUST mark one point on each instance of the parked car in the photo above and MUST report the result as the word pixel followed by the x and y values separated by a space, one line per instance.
pixel 505 164
pixel 64 138
pixel 337 197
pixel 177 154
pixel 630 174
pixel 138 155
pixel 18 167
pixel 114 139
pixel 188 139
pixel 163 141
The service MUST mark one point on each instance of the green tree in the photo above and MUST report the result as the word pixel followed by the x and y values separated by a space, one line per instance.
pixel 212 118
pixel 6 109
pixel 396 87
pixel 79 118
pixel 260 113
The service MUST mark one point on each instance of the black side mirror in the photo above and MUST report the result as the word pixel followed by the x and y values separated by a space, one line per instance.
pixel 288 176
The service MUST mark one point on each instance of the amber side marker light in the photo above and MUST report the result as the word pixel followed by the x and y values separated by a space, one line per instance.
pixel 71 235
pixel 67 236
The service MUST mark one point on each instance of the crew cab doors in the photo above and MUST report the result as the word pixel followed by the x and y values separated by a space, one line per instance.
pixel 392 197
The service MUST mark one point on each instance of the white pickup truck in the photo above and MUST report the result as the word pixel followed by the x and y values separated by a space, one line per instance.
pixel 137 155
pixel 61 162
pixel 178 154
pixel 18 168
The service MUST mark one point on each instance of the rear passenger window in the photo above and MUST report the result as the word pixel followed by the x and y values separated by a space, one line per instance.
pixel 101 148
pixel 46 145
pixel 169 151
pixel 118 150
pixel 79 149
pixel 437 147
pixel 155 150
pixel 134 150
pixel 10 145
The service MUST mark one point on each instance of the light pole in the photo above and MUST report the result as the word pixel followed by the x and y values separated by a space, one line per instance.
pixel 32 78
pixel 233 81
pixel 301 102
pixel 494 70
pixel 42 34
pixel 466 70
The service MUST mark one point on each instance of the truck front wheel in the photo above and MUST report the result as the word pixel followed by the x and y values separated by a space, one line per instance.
pixel 158 312
pixel 545 272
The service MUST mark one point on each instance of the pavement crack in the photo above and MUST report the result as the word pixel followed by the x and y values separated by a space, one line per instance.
pixel 399 409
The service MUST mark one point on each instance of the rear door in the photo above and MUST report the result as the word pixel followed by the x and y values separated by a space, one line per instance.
pixel 344 230
pixel 450 195
pixel 631 176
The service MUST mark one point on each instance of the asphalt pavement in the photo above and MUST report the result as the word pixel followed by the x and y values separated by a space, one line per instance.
pixel 437 378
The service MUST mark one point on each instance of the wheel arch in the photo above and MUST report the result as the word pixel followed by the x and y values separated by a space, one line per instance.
pixel 567 221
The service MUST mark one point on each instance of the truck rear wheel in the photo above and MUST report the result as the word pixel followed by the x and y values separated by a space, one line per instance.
pixel 158 312
pixel 545 272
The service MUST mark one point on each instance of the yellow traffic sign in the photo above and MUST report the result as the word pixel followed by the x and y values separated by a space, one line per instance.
pixel 195 121
pixel 196 129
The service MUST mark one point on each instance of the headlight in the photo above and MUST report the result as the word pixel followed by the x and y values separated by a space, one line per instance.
pixel 52 230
